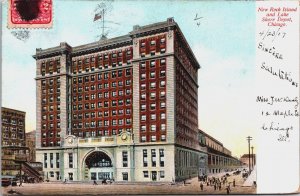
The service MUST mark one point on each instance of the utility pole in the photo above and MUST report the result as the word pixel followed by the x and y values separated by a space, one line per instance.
pixel 249 138
pixel 252 157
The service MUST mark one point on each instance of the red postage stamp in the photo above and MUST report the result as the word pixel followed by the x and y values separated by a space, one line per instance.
pixel 30 14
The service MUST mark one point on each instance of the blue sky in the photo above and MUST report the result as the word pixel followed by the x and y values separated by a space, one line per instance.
pixel 223 44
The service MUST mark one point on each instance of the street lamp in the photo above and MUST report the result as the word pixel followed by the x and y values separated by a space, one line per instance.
pixel 249 138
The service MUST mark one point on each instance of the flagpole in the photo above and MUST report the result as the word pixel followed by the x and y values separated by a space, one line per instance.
pixel 103 24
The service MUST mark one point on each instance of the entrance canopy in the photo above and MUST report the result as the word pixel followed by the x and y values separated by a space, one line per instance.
pixel 98 159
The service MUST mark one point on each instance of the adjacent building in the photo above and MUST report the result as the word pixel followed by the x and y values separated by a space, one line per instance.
pixel 218 157
pixel 30 143
pixel 14 150
pixel 122 108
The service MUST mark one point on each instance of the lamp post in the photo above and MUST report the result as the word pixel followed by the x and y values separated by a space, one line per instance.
pixel 249 138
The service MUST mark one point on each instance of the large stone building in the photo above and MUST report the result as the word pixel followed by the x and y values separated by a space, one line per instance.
pixel 14 151
pixel 122 108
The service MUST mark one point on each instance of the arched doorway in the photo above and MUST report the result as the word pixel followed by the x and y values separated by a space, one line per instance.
pixel 98 166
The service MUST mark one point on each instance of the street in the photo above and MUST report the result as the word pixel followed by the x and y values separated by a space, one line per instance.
pixel 192 187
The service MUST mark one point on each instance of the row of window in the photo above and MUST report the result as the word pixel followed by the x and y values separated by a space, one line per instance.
pixel 152 64
pixel 152 74
pixel 106 94
pixel 51 81
pixel 153 85
pixel 153 138
pixel 101 114
pixel 102 57
pixel 52 161
pixel 101 123
pixel 101 65
pixel 106 132
pixel 106 104
pixel 100 86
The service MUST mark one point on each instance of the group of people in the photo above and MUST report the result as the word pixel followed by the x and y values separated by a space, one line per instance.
pixel 217 183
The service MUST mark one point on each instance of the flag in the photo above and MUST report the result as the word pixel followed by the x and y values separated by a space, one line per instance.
pixel 97 17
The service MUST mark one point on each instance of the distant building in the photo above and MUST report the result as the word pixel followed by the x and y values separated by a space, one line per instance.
pixel 14 151
pixel 30 143
pixel 123 108
pixel 245 160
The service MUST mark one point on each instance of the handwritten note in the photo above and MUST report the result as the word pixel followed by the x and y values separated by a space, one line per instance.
pixel 277 95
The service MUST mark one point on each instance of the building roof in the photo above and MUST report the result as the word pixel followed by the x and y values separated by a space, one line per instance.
pixel 12 110
pixel 114 42
pixel 247 155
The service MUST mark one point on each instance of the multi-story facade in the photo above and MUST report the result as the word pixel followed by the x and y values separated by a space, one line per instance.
pixel 14 151
pixel 122 108
pixel 30 143
pixel 219 158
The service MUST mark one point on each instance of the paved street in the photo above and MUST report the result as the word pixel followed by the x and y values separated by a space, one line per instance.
pixel 192 187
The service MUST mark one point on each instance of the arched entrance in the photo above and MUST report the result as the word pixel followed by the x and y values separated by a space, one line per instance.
pixel 98 166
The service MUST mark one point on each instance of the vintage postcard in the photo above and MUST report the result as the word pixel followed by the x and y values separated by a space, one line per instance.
pixel 111 97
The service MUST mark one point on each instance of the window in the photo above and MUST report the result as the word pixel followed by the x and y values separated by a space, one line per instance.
pixel 143 117
pixel 128 72
pixel 162 104
pixel 162 94
pixel 163 138
pixel 162 116
pixel 70 160
pixel 152 84
pixel 125 158
pixel 143 76
pixel 143 87
pixel 125 176
pixel 57 160
pixel 153 116
pixel 162 174
pixel 152 106
pixel 161 157
pixel 163 62
pixel 143 65
pixel 145 161
pixel 152 42
pixel 153 157
pixel 162 73
pixel 152 74
pixel 143 107
pixel 163 127
pixel 143 128
pixel 143 96
pixel 146 174
pixel 152 64
pixel 143 138
pixel 45 160
pixel 153 138
pixel 162 83
pixel 152 95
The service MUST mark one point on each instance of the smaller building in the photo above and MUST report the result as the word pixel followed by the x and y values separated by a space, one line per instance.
pixel 245 160
pixel 14 151
pixel 30 143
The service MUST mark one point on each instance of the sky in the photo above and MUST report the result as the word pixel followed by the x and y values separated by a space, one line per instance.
pixel 223 43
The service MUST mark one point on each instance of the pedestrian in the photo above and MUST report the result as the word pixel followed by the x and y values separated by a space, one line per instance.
pixel 233 183
pixel 215 186
pixel 227 190
pixel 207 183
pixel 201 186
pixel 220 185
pixel 95 183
